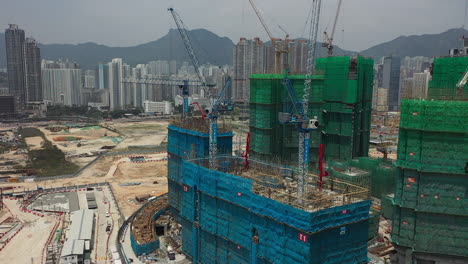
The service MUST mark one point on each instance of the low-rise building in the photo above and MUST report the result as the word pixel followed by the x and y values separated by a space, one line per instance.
pixel 164 107
pixel 79 238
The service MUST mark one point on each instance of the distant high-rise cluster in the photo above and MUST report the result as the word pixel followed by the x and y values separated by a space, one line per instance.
pixel 397 79
pixel 62 83
pixel 113 77
pixel 254 56
pixel 23 67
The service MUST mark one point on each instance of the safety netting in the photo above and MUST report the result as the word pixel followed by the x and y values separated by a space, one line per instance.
pixel 340 99
pixel 446 74
pixel 379 174
pixel 230 217
pixel 433 136
pixel 187 143
pixel 430 232
pixel 432 192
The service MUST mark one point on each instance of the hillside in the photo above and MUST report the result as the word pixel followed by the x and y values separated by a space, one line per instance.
pixel 428 45
pixel 168 47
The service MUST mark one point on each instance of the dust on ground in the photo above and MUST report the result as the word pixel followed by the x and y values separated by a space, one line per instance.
pixel 34 143
pixel 141 133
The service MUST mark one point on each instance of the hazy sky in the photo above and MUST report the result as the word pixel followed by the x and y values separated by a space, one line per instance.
pixel 362 24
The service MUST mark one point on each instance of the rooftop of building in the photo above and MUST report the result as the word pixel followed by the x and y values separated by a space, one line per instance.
pixel 280 183
pixel 82 222
pixel 73 247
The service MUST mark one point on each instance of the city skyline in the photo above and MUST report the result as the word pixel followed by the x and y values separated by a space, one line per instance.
pixel 358 33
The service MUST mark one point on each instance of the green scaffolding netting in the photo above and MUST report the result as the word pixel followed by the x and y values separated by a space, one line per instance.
pixel 432 192
pixel 429 232
pixel 340 99
pixel 364 171
pixel 446 74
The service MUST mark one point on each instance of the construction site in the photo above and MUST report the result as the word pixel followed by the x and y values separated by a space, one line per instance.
pixel 310 172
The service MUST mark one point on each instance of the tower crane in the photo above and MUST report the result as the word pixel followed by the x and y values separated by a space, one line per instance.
pixel 328 43
pixel 281 47
pixel 216 104
pixel 299 113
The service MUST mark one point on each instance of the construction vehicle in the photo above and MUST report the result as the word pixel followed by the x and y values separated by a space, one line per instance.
pixel 328 43
pixel 215 102
pixel 281 47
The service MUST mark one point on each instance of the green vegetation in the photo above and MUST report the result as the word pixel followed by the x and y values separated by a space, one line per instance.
pixel 49 161
pixel 30 132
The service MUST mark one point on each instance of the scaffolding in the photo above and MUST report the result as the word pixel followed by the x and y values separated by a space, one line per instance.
pixel 340 98
pixel 232 216
pixel 431 207
pixel 280 183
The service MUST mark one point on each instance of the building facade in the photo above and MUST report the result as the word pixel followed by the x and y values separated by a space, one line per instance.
pixel 115 84
pixel 249 56
pixel 62 83
pixel 32 57
pixel 391 81
pixel 421 84
pixel 102 76
pixel 14 43
pixel 164 107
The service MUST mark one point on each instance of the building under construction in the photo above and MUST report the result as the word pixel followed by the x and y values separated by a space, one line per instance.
pixel 340 99
pixel 250 212
pixel 430 223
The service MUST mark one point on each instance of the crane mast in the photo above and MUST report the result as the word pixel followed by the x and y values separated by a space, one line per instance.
pixel 329 38
pixel 304 134
pixel 213 103
pixel 188 45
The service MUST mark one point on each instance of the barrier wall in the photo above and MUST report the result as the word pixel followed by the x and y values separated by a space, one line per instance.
pixel 147 248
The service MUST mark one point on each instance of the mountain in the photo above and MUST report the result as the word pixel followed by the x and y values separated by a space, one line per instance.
pixel 169 47
pixel 427 45
pixel 218 50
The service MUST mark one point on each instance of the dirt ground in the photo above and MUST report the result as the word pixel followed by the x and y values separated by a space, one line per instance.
pixel 34 143
pixel 12 156
pixel 151 175
pixel 27 245
pixel 125 172
pixel 141 133
pixel 92 140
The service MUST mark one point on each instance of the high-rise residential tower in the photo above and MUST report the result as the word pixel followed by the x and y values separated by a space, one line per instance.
pixel 14 42
pixel 249 56
pixel 391 81
pixel 115 83
pixel 32 56
pixel 62 83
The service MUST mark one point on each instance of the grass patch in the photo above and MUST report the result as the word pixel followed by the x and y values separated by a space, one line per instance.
pixel 49 161
pixel 30 132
